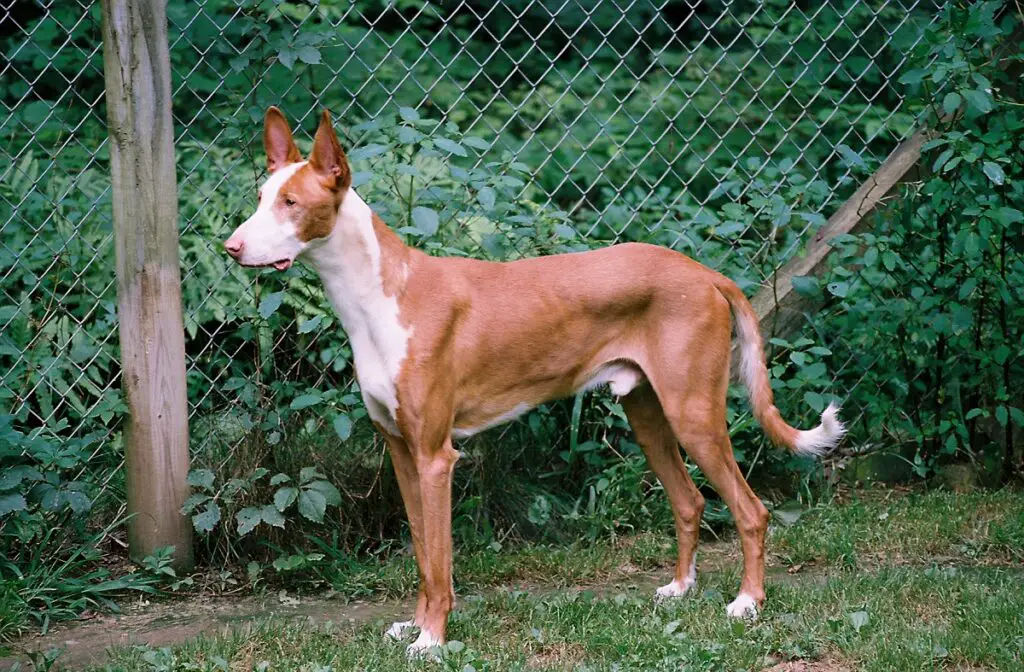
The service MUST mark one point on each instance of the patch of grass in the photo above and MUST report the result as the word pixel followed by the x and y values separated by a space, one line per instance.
pixel 898 618
pixel 898 580
pixel 543 564
pixel 907 527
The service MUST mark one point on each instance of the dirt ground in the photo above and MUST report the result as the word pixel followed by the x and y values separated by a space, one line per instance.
pixel 166 623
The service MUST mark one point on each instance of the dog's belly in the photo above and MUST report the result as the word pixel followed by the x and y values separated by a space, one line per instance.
pixel 479 414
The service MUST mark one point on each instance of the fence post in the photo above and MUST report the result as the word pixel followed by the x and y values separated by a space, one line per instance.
pixel 137 71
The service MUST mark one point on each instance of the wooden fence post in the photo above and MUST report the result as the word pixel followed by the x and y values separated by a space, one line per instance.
pixel 137 70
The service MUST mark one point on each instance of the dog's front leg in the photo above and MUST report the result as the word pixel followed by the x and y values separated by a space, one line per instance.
pixel 409 485
pixel 434 465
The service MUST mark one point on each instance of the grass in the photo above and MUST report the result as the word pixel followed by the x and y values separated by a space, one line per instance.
pixel 880 581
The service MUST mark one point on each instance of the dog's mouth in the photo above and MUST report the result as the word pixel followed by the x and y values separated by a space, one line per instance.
pixel 280 264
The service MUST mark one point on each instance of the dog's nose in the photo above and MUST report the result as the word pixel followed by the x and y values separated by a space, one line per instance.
pixel 234 247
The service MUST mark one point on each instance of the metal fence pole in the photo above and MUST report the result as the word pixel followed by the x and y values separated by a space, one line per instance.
pixel 138 95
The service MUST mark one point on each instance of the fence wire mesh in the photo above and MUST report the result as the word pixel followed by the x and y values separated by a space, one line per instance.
pixel 727 130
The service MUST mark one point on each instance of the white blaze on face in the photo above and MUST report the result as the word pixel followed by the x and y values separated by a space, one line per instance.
pixel 266 237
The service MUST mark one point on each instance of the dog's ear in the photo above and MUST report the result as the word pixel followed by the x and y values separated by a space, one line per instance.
pixel 277 140
pixel 328 159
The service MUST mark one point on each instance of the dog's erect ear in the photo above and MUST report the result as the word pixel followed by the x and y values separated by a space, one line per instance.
pixel 277 140
pixel 327 158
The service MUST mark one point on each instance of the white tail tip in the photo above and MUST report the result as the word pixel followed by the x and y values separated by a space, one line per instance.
pixel 823 438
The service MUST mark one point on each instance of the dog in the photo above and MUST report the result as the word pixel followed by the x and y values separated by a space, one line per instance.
pixel 446 347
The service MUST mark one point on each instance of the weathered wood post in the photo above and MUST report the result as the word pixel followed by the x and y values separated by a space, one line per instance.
pixel 145 205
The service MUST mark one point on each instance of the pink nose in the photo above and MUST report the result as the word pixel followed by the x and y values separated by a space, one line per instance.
pixel 234 247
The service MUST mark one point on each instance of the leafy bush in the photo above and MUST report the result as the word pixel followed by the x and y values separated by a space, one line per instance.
pixel 928 309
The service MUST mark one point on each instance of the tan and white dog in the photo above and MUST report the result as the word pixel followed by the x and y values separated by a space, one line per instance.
pixel 447 347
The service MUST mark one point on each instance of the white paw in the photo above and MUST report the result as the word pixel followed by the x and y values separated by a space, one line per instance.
pixel 674 589
pixel 743 606
pixel 399 628
pixel 424 646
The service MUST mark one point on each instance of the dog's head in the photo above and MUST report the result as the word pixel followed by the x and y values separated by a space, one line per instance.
pixel 298 203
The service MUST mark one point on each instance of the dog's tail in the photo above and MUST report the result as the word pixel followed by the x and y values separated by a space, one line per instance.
pixel 815 441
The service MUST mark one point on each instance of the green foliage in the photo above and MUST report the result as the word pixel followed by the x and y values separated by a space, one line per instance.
pixel 938 277
pixel 309 496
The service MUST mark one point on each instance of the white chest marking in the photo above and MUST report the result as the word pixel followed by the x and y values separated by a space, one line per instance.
pixel 349 263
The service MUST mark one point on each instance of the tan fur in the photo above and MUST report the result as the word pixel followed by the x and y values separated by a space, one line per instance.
pixel 490 337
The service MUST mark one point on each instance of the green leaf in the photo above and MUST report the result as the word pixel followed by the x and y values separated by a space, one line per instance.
pixel 330 493
pixel 11 502
pixel 425 220
pixel 14 476
pixel 408 136
pixel 967 287
pixel 207 520
pixel 859 619
pixel 278 479
pixel 1002 415
pixel 200 478
pixel 951 103
pixel 806 285
pixel 77 501
pixel 306 400
pixel 476 143
pixel 914 76
pixel 193 502
pixel 943 158
pixel 287 58
pixel 978 101
pixel 248 518
pixel 309 55
pixel 271 516
pixel 487 198
pixel 994 172
pixel 343 426
pixel 409 114
pixel 815 401
pixel 307 474
pixel 307 326
pixel 366 152
pixel 852 158
pixel 312 505
pixel 1009 215
pixel 890 260
pixel 270 304
pixel 285 497
pixel 840 289
pixel 451 146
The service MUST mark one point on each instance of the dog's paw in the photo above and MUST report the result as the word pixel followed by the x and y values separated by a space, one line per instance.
pixel 744 606
pixel 425 646
pixel 399 628
pixel 674 589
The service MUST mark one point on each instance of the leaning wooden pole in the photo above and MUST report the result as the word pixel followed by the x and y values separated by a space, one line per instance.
pixel 778 305
pixel 138 94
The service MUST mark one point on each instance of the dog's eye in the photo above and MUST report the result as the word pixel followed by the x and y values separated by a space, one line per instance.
pixel 259 196
pixel 289 202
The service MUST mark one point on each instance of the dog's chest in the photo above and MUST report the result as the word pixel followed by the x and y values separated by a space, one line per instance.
pixel 379 345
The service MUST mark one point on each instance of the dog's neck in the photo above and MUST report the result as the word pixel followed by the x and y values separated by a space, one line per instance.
pixel 360 260
pixel 364 267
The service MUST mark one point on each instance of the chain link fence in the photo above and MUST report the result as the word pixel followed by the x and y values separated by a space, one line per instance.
pixel 729 131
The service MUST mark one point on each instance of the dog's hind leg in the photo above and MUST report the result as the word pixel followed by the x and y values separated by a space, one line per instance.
pixel 655 436
pixel 691 385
